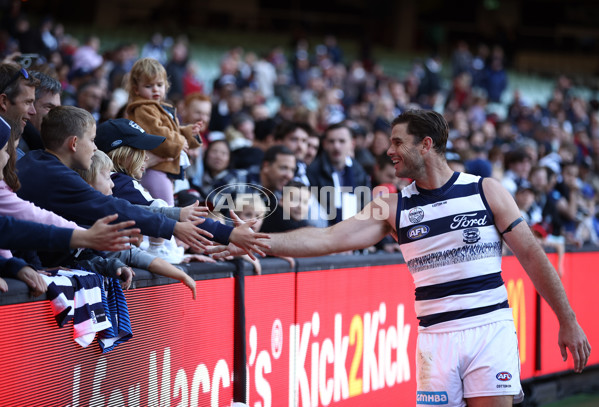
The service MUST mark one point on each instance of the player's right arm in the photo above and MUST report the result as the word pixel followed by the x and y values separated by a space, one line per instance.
pixel 541 272
pixel 365 229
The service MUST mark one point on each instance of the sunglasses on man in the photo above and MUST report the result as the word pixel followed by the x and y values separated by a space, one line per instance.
pixel 21 71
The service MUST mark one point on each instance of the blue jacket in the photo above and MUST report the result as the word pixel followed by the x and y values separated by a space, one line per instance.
pixel 124 188
pixel 10 267
pixel 21 234
pixel 51 185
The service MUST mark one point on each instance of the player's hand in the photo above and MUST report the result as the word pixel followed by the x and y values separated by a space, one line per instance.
pixel 103 236
pixel 245 238
pixel 193 212
pixel 220 252
pixel 573 338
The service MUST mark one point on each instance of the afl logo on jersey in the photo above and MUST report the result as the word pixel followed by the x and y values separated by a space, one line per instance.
pixel 471 235
pixel 416 215
pixel 504 376
pixel 418 231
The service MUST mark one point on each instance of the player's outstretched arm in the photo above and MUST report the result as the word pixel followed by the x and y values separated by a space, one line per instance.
pixel 363 230
pixel 246 239
pixel 533 259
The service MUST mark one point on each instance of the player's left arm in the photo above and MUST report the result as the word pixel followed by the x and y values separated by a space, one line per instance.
pixel 533 259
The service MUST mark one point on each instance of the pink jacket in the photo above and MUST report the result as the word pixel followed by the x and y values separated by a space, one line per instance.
pixel 12 205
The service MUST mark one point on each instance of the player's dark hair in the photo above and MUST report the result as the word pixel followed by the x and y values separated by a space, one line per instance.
pixel 425 123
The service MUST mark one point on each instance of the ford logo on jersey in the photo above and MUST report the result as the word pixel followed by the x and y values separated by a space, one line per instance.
pixel 418 231
pixel 504 376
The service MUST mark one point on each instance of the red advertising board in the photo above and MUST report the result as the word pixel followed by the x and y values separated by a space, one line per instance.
pixel 355 337
pixel 339 337
pixel 522 300
pixel 580 280
pixel 269 313
pixel 181 352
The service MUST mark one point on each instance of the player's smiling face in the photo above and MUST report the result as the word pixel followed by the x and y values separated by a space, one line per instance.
pixel 404 152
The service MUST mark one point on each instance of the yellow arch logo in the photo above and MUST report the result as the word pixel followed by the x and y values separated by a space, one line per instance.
pixel 517 301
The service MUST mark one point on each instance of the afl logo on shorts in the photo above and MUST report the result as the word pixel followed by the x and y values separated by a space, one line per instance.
pixel 471 235
pixel 504 376
pixel 418 231
pixel 416 215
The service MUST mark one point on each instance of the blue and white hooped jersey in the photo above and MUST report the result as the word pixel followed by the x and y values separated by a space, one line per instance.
pixel 453 251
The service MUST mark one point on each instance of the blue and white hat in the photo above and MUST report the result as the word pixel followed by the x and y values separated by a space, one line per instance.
pixel 115 133
pixel 4 132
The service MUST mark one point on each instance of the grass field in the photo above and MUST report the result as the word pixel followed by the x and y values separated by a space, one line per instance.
pixel 581 400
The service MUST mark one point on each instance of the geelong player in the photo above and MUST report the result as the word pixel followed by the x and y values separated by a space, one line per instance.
pixel 450 227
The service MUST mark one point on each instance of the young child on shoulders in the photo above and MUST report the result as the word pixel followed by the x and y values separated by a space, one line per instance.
pixel 98 176
pixel 148 85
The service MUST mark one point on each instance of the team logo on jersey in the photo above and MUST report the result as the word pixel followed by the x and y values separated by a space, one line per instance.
pixel 416 215
pixel 418 231
pixel 504 376
pixel 471 235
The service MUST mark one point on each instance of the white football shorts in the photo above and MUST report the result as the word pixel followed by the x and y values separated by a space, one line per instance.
pixel 476 362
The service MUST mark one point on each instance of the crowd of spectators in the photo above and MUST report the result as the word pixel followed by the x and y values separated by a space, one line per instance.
pixel 304 120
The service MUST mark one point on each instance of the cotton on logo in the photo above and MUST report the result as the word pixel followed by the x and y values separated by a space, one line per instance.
pixel 504 376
